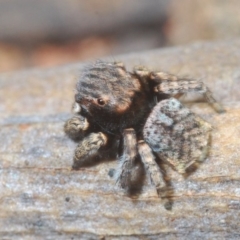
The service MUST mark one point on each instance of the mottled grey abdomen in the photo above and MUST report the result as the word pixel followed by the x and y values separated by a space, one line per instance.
pixel 176 134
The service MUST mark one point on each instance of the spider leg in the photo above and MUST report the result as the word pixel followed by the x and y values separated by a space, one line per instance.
pixel 76 126
pixel 178 95
pixel 170 84
pixel 152 168
pixel 119 64
pixel 130 171
pixel 88 148
pixel 157 77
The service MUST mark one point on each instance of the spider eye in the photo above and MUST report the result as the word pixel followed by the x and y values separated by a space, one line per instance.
pixel 100 101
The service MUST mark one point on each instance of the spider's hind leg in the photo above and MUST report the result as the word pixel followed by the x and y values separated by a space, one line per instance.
pixel 170 84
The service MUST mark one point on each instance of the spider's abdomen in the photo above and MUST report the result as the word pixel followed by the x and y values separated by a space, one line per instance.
pixel 176 134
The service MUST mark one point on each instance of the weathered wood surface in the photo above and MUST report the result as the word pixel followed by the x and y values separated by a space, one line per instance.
pixel 41 198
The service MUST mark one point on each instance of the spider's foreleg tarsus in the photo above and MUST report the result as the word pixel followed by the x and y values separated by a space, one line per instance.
pixel 88 148
pixel 129 174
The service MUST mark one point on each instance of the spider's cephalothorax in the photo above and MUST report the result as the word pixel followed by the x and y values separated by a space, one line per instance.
pixel 142 109
pixel 112 98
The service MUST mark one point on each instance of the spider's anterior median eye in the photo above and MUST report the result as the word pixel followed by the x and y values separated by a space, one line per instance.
pixel 100 101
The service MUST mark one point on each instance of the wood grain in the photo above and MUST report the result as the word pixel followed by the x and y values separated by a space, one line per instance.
pixel 41 198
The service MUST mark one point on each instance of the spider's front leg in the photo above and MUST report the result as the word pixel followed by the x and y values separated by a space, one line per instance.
pixel 172 85
pixel 76 126
pixel 88 149
pixel 130 172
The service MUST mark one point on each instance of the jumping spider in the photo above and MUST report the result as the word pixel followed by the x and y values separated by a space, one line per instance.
pixel 139 113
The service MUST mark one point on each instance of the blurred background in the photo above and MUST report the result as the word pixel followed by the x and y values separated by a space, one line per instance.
pixel 47 33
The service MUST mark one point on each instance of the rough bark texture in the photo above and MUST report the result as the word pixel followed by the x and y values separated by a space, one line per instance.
pixel 41 198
